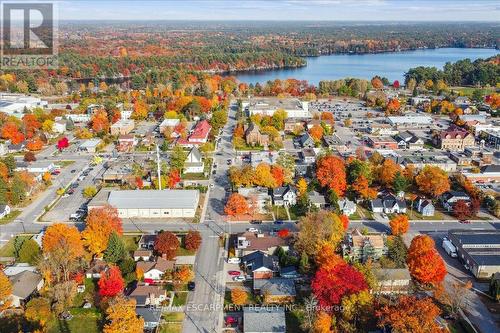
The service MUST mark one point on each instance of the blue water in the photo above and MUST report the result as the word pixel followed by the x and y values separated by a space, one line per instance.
pixel 365 66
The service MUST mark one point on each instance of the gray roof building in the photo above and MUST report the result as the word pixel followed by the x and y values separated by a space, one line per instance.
pixel 275 286
pixel 264 320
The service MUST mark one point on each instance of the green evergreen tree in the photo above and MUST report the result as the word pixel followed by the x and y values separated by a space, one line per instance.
pixel 115 251
pixel 10 162
pixel 400 183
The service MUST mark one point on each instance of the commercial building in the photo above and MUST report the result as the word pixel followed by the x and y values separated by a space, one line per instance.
pixel 17 104
pixel 492 136
pixel 382 142
pixel 420 159
pixel 455 139
pixel 90 145
pixel 149 203
pixel 478 250
pixel 410 120
pixel 267 106
pixel 122 127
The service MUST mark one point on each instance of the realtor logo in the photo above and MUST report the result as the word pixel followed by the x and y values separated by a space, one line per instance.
pixel 28 35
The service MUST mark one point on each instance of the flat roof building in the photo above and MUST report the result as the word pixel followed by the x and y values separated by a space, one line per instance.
pixel 410 120
pixel 294 107
pixel 478 250
pixel 149 203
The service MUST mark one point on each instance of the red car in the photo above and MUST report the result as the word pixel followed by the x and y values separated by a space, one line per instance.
pixel 234 273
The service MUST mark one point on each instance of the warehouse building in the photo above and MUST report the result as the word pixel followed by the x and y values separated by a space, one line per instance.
pixel 478 250
pixel 149 204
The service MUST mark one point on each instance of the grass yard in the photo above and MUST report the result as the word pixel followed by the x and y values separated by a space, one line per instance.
pixel 131 242
pixel 8 249
pixel 173 316
pixel 355 216
pixel 84 321
pixel 183 252
pixel 87 295
pixel 180 299
pixel 170 328
pixel 362 211
pixel 9 217
pixel 414 215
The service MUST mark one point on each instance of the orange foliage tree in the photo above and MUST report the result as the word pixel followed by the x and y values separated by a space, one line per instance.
pixel 433 181
pixel 425 264
pixel 100 224
pixel 183 274
pixel 236 205
pixel 192 240
pixel 35 144
pixel 393 106
pixel 167 244
pixel 65 236
pixel 322 323
pixel 174 178
pixel 362 188
pixel 345 221
pixel 239 296
pixel 140 110
pixel 410 315
pixel 377 83
pixel 278 174
pixel 399 225
pixel 387 171
pixel 330 171
pixel 316 132
pixel 100 122
pixel 327 256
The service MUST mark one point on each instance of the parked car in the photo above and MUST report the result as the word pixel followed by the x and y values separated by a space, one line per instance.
pixel 239 278
pixel 256 222
pixel 191 286
pixel 233 260
pixel 253 229
pixel 278 222
pixel 464 221
pixel 234 273
pixel 73 171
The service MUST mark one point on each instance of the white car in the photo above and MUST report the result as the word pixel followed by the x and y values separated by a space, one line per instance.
pixel 233 260
pixel 253 229
pixel 239 278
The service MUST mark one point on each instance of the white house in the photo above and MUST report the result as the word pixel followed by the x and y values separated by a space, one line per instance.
pixel 154 270
pixel 4 210
pixel 388 204
pixel 59 126
pixel 284 196
pixel 194 162
pixel 79 117
pixel 347 207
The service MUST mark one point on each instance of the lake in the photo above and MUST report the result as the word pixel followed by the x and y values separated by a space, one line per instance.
pixel 391 65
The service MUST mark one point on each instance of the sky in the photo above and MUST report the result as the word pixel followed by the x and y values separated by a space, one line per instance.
pixel 283 10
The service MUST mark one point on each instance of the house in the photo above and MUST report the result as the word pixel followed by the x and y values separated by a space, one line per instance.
pixel 424 207
pixel 275 290
pixel 144 255
pixel 249 242
pixel 308 155
pixel 147 241
pixel 264 320
pixel 346 206
pixel 59 126
pixel 392 281
pixel 303 169
pixel 258 198
pixel 154 270
pixel 122 127
pixel 359 247
pixel 448 199
pixel 455 139
pixel 151 317
pixel 149 295
pixel 79 117
pixel 478 250
pixel 289 272
pixel 382 142
pixel 24 285
pixel 294 125
pixel 408 140
pixel 4 210
pixel 3 149
pixel 148 204
pixel 97 267
pixel 198 135
pixel 254 137
pixel 316 199
pixel 388 204
pixel 39 167
pixel 284 196
pixel 19 268
pixel 194 162
pixel 14 148
pixel 261 265
pixel 306 141
pixel 90 145
pixel 126 143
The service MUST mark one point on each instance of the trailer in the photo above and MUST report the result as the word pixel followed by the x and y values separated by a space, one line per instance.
pixel 449 247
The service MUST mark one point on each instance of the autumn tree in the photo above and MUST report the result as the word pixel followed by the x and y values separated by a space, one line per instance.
pixel 111 282
pixel 140 110
pixel 331 283
pixel 345 221
pixel 362 189
pixel 192 240
pixel 433 181
pixel 65 236
pixel 236 205
pixel 278 175
pixel 330 171
pixel 453 295
pixel 183 274
pixel 121 317
pixel 316 132
pixel 5 291
pixel 377 83
pixel 424 262
pixel 167 244
pixel 410 315
pixel 263 176
pixel 461 209
pixel 173 178
pixel 62 295
pixel 38 312
pixel 392 106
pixel 317 228
pixel 322 323
pixel 100 122
pixel 302 186
pixel 386 172
pixel 99 225
pixel 327 256
pixel 399 225
pixel 89 191
pixel 239 296
pixel 29 157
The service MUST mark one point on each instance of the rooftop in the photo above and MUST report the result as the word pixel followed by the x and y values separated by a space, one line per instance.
pixel 154 199
pixel 473 238
pixel 264 319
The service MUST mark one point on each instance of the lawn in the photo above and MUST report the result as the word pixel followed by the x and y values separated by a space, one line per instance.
pixel 9 217
pixel 362 211
pixel 84 321
pixel 131 242
pixel 414 215
pixel 170 328
pixel 87 295
pixel 173 316
pixel 180 299
pixel 8 249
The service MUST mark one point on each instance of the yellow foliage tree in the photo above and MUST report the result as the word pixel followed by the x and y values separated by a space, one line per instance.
pixel 239 296
pixel 5 291
pixel 121 317
pixel 302 186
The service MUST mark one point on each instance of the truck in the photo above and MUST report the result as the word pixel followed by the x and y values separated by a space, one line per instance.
pixel 449 248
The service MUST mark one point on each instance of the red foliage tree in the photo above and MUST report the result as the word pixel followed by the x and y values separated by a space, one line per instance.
pixel 461 210
pixel 330 171
pixel 332 282
pixel 278 175
pixel 425 264
pixel 345 221
pixel 174 178
pixel 167 243
pixel 111 282
pixel 192 240
pixel 62 143
pixel 396 84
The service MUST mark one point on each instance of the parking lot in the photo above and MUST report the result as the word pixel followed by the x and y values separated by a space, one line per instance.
pixel 70 203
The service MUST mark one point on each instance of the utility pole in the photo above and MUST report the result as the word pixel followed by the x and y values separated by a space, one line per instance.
pixel 158 166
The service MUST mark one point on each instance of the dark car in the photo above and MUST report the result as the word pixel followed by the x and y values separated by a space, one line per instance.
pixel 465 221
pixel 278 222
pixel 191 285
pixel 73 171
pixel 256 222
